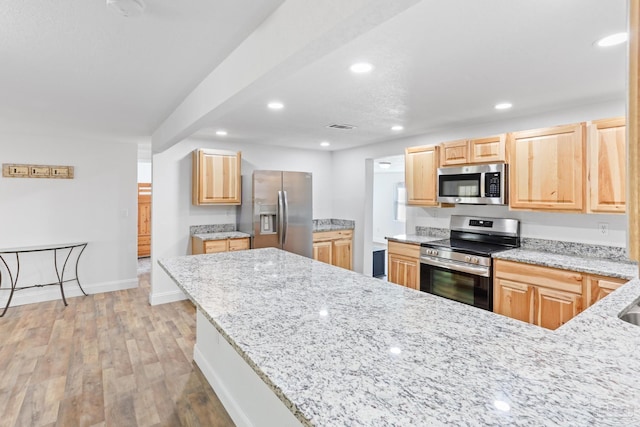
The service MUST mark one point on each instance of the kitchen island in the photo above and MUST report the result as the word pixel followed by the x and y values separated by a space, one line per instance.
pixel 334 347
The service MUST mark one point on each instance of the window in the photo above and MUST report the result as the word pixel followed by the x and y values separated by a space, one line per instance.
pixel 400 203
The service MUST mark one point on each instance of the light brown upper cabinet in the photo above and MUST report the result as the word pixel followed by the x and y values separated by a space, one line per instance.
pixel 607 165
pixel 216 177
pixel 454 153
pixel 488 150
pixel 421 167
pixel 469 151
pixel 548 169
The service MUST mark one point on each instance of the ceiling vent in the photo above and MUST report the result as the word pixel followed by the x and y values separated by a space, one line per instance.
pixel 342 127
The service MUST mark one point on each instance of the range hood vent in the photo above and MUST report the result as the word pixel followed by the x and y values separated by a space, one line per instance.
pixel 341 126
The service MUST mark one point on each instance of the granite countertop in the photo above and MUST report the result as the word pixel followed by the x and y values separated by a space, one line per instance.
pixel 221 235
pixel 386 355
pixel 592 265
pixel 412 239
pixel 333 224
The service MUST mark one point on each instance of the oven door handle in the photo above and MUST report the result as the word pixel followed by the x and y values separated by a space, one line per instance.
pixel 458 266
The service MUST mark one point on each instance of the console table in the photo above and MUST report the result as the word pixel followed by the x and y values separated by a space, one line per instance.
pixel 64 250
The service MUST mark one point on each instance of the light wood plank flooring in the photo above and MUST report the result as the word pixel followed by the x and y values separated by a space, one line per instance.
pixel 108 359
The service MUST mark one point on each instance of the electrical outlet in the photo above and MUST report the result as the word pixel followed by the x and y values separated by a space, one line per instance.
pixel 603 228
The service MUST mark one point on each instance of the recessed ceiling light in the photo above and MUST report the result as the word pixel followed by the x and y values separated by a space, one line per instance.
pixel 275 105
pixel 221 132
pixel 361 67
pixel 325 143
pixel 324 313
pixel 395 350
pixel 612 40
pixel 503 106
pixel 384 165
pixel 397 127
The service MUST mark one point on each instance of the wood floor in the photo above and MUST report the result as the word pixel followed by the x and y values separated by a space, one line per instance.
pixel 108 359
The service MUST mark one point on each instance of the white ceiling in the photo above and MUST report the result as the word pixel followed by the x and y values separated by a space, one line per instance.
pixel 77 65
pixel 444 63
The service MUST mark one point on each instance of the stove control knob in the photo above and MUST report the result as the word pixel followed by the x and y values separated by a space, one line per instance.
pixel 475 260
pixel 467 258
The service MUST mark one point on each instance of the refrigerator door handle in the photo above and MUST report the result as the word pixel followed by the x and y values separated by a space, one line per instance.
pixel 286 218
pixel 280 218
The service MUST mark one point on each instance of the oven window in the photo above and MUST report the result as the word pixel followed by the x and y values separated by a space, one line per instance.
pixel 467 185
pixel 454 286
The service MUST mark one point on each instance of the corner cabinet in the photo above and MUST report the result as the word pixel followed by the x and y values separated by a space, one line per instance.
pixel 334 247
pixel 216 177
pixel 607 165
pixel 421 167
pixel 543 296
pixel 404 264
pixel 547 169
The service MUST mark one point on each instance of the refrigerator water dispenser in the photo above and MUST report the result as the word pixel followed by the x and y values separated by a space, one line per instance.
pixel 268 219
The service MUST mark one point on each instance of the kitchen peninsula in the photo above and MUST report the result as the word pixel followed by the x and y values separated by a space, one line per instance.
pixel 335 347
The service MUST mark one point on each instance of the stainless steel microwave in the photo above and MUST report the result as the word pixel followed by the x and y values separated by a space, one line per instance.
pixel 473 185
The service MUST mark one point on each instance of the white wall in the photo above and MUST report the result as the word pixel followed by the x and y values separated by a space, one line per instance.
pixel 173 212
pixel 98 206
pixel 144 171
pixel 350 179
pixel 384 197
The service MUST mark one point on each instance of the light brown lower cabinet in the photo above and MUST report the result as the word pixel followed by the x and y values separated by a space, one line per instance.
pixel 334 247
pixel 599 287
pixel 199 246
pixel 545 296
pixel 404 264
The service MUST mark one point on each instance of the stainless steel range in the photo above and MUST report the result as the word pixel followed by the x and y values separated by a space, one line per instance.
pixel 460 268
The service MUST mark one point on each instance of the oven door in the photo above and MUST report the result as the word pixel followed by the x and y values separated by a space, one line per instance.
pixel 460 282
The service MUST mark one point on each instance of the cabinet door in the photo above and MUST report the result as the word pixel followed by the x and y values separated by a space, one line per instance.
pixel 600 287
pixel 216 177
pixel 547 169
pixel 513 299
pixel 404 271
pixel 239 244
pixel 144 219
pixel 215 246
pixel 555 308
pixel 607 165
pixel 454 153
pixel 485 150
pixel 421 166
pixel 323 251
pixel 342 253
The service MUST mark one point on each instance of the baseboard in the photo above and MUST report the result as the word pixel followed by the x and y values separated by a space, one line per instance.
pixel 71 289
pixel 158 298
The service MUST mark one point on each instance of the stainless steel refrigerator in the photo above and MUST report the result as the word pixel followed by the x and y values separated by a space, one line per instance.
pixel 277 209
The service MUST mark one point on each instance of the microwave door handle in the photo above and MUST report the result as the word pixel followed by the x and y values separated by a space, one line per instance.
pixel 458 266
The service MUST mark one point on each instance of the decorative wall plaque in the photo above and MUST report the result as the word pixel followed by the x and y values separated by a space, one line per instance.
pixel 36 171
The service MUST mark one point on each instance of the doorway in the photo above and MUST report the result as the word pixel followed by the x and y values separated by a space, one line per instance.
pixel 389 203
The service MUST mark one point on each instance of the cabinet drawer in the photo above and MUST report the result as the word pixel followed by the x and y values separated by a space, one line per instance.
pixel 239 244
pixel 213 246
pixel 552 278
pixel 144 240
pixel 321 236
pixel 405 249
